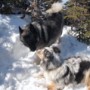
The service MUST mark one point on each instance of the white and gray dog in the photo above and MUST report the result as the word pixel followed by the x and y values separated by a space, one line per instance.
pixel 74 70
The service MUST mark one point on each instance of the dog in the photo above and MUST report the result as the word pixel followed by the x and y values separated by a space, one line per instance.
pixel 39 34
pixel 73 71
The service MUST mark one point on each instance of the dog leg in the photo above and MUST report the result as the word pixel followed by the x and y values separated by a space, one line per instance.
pixel 87 79
pixel 51 86
pixel 89 88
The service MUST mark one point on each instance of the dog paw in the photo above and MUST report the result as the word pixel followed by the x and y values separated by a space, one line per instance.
pixel 39 75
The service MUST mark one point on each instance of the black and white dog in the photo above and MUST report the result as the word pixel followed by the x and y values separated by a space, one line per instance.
pixel 39 34
pixel 73 71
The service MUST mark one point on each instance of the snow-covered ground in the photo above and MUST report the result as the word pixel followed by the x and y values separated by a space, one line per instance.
pixel 17 68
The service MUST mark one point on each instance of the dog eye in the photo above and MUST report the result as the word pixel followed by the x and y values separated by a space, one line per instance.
pixel 46 53
pixel 56 50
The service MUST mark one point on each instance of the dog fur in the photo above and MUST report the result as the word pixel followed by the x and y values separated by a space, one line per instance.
pixel 74 70
pixel 55 8
pixel 39 34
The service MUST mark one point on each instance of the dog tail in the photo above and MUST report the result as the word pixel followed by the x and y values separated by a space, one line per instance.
pixel 55 8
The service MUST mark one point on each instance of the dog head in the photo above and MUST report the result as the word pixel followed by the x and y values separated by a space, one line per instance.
pixel 28 36
pixel 51 58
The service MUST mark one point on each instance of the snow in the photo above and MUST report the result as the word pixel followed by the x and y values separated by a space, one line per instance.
pixel 17 68
pixel 71 47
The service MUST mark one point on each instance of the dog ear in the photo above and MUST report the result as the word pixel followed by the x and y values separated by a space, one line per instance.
pixel 39 53
pixel 20 30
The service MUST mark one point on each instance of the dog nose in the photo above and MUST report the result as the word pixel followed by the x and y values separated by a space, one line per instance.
pixel 48 54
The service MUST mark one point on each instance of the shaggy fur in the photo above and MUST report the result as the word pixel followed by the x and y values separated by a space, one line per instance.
pixel 39 34
pixel 74 70
pixel 55 8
